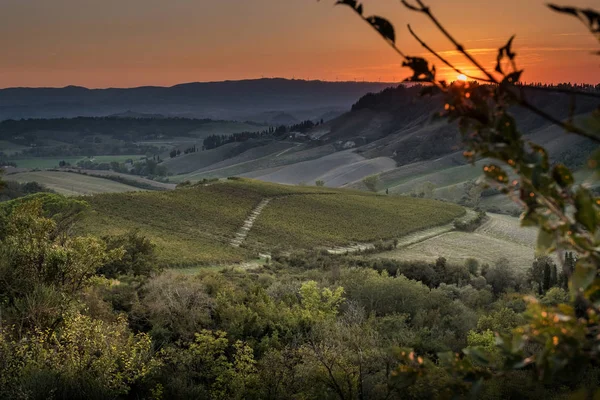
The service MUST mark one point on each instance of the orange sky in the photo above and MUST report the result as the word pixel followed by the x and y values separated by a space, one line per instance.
pixel 126 43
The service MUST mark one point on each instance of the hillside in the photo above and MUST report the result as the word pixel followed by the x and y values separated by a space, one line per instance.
pixel 391 133
pixel 260 100
pixel 196 225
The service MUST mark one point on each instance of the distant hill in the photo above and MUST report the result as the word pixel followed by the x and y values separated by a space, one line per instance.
pixel 391 133
pixel 221 100
pixel 398 123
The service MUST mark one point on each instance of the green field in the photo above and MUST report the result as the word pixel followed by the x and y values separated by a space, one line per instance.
pixel 71 184
pixel 331 220
pixel 52 162
pixel 194 226
pixel 190 226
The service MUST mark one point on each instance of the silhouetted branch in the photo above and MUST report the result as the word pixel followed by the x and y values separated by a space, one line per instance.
pixel 459 47
pixel 490 78
pixel 442 59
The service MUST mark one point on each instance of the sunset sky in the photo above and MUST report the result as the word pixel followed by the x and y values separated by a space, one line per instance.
pixel 126 43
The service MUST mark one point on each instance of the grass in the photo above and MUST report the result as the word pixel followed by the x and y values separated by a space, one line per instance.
pixel 193 227
pixel 71 184
pixel 52 162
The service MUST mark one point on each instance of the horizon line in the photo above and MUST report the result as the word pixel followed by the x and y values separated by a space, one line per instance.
pixel 201 82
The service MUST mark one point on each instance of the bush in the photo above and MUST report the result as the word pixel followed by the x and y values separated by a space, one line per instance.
pixel 86 359
pixel 139 258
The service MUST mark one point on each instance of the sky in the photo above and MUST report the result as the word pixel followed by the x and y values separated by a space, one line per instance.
pixel 129 43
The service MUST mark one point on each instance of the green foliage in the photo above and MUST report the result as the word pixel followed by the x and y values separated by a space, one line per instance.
pixel 320 183
pixel 12 190
pixel 567 214
pixel 319 305
pixel 40 272
pixel 210 367
pixel 139 256
pixel 85 359
pixel 371 182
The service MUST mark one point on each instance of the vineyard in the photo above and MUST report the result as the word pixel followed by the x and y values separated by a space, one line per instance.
pixel 320 220
pixel 194 226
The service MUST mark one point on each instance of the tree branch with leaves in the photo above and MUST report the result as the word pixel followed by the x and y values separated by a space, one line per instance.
pixel 566 213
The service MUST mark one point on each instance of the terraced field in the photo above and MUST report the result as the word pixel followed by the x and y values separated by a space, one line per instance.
pixel 71 184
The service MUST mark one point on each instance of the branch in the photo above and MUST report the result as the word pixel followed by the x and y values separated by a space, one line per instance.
pixel 566 126
pixel 459 47
pixel 442 59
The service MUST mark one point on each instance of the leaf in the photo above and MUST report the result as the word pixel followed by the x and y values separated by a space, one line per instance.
pixel 383 26
pixel 355 5
pixel 586 211
pixel 583 276
pixel 562 176
pixel 541 156
pixel 545 242
pixel 505 52
pixel 564 10
pixel 420 67
pixel 512 78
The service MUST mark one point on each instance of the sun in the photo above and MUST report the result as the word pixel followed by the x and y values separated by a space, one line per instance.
pixel 462 78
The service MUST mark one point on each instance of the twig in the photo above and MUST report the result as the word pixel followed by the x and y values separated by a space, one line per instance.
pixel 426 10
pixel 442 59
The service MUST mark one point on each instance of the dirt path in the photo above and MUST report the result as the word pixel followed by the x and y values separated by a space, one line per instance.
pixel 242 233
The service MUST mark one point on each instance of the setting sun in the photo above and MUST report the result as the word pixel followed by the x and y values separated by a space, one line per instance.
pixel 462 78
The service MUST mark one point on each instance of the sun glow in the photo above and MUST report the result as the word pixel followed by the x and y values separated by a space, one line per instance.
pixel 462 78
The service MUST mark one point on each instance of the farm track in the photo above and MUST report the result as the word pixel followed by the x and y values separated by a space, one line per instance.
pixel 242 233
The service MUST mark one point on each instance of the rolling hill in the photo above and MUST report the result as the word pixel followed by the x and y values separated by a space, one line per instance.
pixel 261 100
pixel 196 225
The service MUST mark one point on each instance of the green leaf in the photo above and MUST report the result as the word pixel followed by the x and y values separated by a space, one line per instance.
pixel 383 26
pixel 545 242
pixel 583 276
pixel 563 176
pixel 586 211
